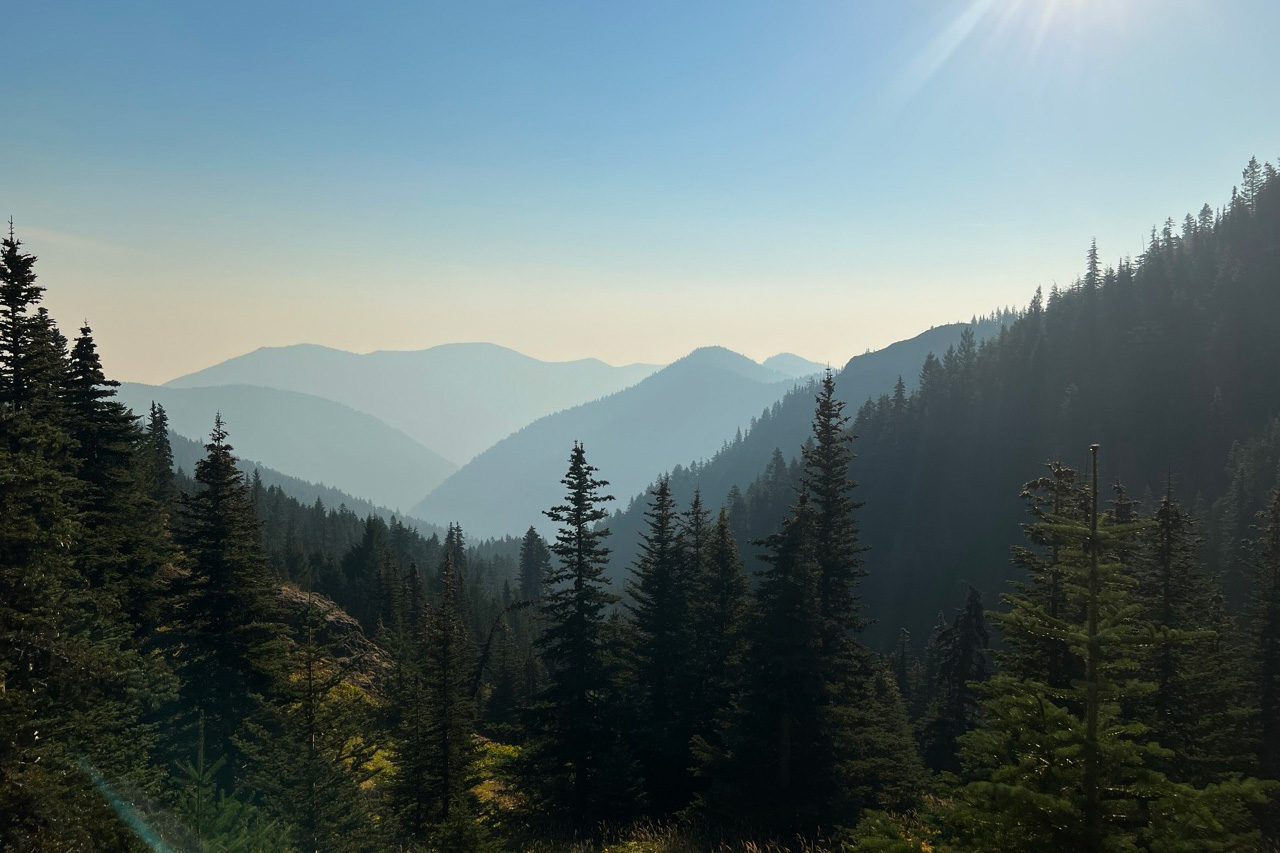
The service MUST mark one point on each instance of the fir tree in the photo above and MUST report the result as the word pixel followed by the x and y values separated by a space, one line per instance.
pixel 660 595
pixel 813 738
pixel 826 477
pixel 1049 499
pixel 765 772
pixel 534 559
pixel 448 667
pixel 1064 768
pixel 718 613
pixel 125 545
pixel 19 296
pixel 1198 706
pixel 1264 635
pixel 310 751
pixel 214 821
pixel 72 685
pixel 157 458
pixel 231 653
pixel 574 739
pixel 907 672
pixel 962 664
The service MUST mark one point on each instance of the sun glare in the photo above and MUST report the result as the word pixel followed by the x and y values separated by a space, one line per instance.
pixel 1030 27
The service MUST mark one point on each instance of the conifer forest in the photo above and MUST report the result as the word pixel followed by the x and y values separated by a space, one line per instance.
pixel 1026 600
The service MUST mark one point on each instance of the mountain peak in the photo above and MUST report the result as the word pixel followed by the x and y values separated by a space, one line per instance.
pixel 790 364
pixel 720 358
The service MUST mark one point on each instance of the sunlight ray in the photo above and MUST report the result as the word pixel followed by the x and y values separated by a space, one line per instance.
pixel 942 48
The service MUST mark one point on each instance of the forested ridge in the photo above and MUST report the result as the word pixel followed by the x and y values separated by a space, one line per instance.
pixel 1082 511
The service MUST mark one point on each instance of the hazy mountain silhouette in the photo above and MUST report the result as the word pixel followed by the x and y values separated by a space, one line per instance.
pixel 303 436
pixel 456 399
pixel 187 452
pixel 682 412
pixel 790 364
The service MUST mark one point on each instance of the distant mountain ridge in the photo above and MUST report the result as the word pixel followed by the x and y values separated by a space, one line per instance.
pixel 187 452
pixel 456 399
pixel 790 364
pixel 303 435
pixel 682 412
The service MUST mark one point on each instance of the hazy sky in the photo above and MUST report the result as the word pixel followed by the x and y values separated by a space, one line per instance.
pixel 620 180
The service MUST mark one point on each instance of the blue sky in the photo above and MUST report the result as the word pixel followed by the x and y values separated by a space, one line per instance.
pixel 626 181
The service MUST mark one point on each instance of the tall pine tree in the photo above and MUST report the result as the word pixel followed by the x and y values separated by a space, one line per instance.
pixel 574 746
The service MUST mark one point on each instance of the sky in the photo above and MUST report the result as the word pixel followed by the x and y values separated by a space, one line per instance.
pixel 626 181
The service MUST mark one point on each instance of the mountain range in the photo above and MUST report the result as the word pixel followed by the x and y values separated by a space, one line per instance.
pixel 371 425
pixel 682 412
pixel 454 399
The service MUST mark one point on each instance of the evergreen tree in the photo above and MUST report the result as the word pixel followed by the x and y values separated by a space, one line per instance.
pixel 899 403
pixel 1063 768
pixel 861 720
pixel 574 740
pixel 1049 499
pixel 125 545
pixel 1198 708
pixel 19 296
pixel 766 774
pixel 411 802
pixel 157 458
pixel 660 595
pixel 962 665
pixel 448 667
pixel 310 751
pixel 813 738
pixel 435 753
pixel 718 613
pixel 534 560
pixel 826 477
pixel 907 673
pixel 72 687
pixel 214 821
pixel 231 651
pixel 1264 629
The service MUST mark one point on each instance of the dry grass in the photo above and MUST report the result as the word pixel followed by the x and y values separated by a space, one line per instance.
pixel 676 838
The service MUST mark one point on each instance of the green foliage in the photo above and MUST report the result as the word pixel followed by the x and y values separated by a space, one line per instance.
pixel 310 751
pixel 1064 767
pixel 214 821
pixel 1264 636
pixel 662 651
pixel 884 832
pixel 534 561
pixel 230 653
pixel 1199 706
pixel 718 615
pixel 819 730
pixel 960 664
pixel 74 686
pixel 577 762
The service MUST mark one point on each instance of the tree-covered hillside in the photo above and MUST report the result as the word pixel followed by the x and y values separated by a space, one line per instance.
pixel 306 436
pixel 783 425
